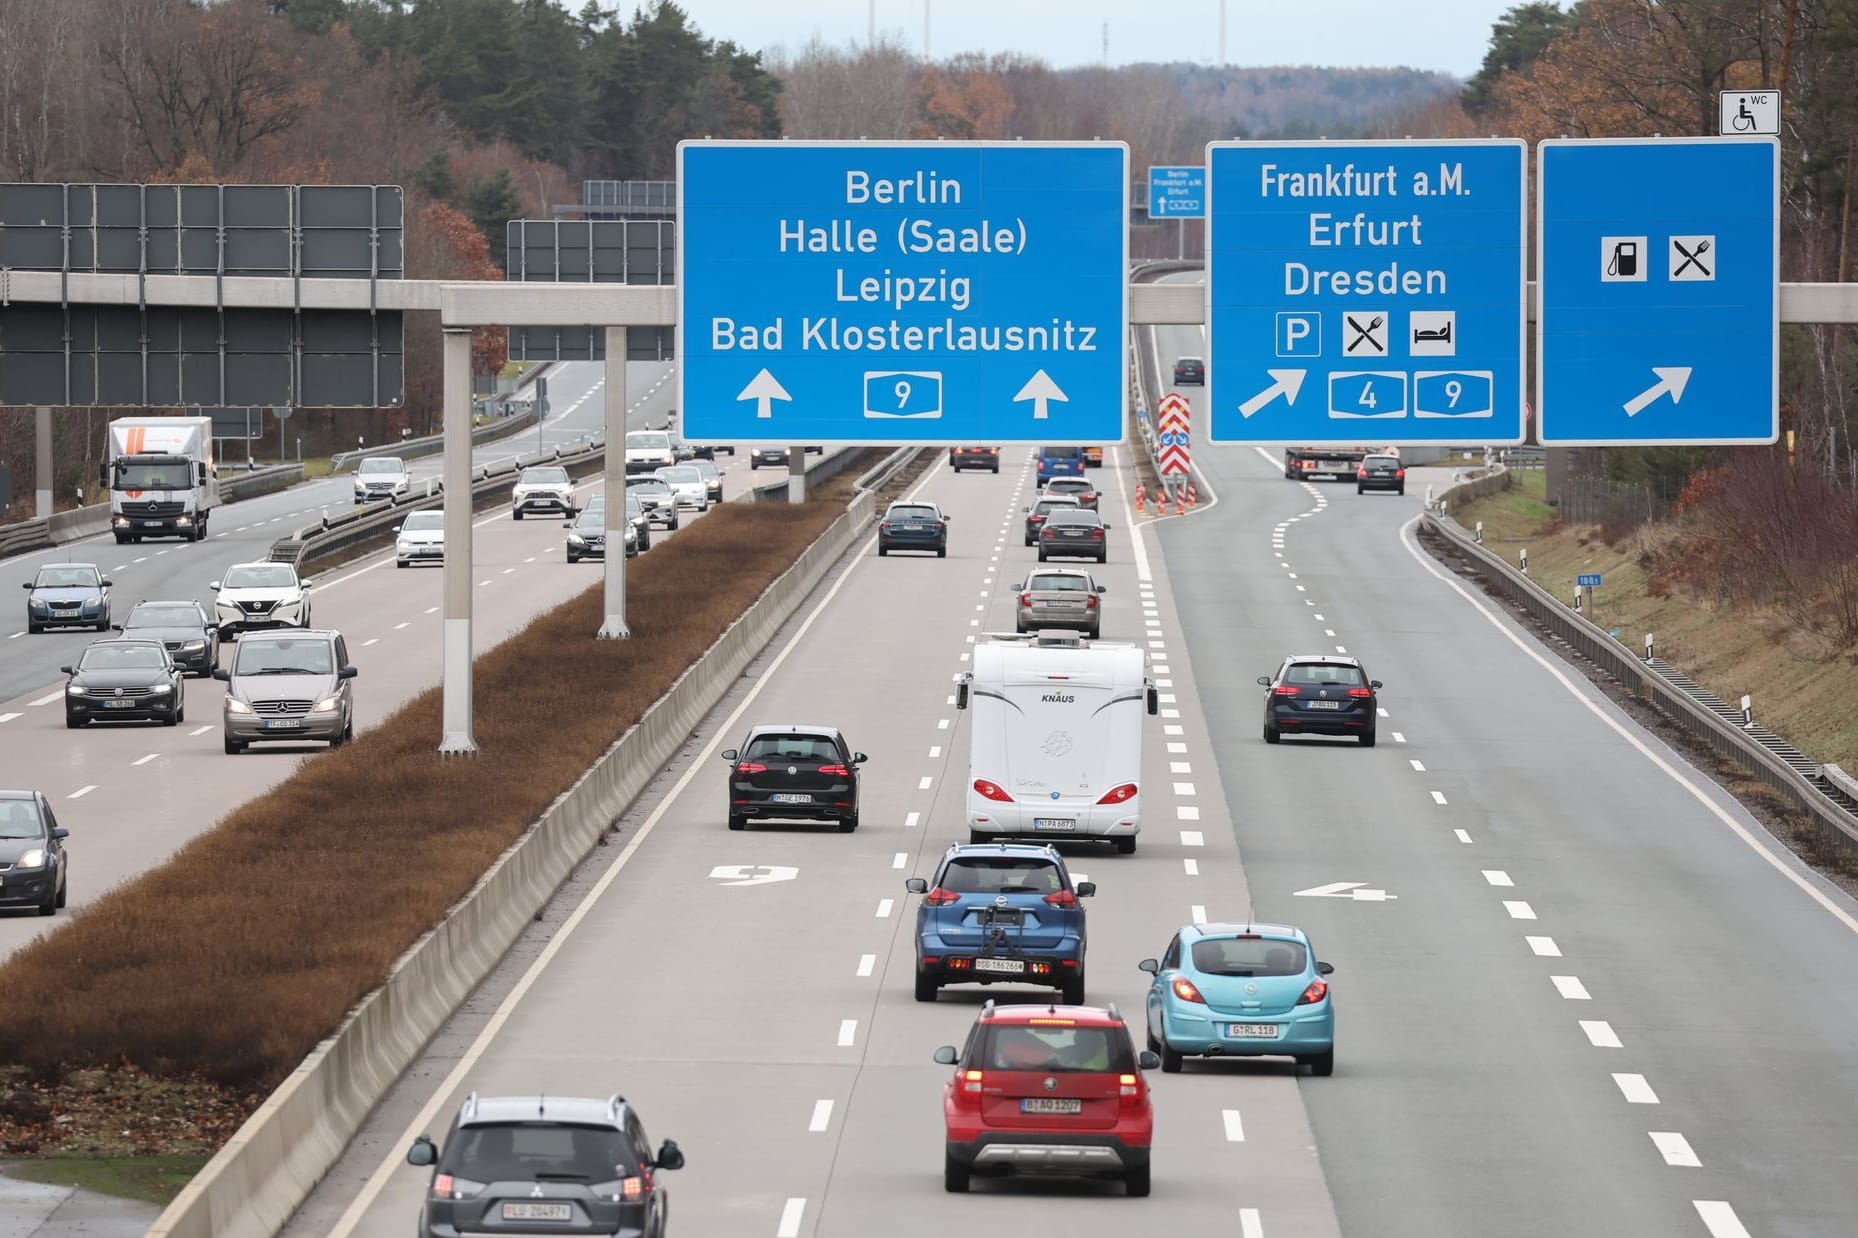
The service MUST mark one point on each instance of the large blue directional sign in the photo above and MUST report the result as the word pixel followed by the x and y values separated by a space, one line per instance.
pixel 915 292
pixel 1366 292
pixel 1177 193
pixel 1659 318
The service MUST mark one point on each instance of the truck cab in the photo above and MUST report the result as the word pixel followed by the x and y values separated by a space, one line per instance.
pixel 161 477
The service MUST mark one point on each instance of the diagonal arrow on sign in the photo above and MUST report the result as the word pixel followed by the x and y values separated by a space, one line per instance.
pixel 1283 382
pixel 752 874
pixel 1347 889
pixel 1672 379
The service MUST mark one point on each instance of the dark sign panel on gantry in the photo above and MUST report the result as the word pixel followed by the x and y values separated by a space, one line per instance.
pixel 597 251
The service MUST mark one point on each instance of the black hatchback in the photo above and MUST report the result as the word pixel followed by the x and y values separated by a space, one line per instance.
pixel 803 772
pixel 1320 694
pixel 33 861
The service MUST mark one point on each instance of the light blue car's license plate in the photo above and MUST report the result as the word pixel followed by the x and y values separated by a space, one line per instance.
pixel 1253 1031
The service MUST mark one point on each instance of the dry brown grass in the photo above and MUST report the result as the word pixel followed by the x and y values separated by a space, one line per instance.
pixel 233 959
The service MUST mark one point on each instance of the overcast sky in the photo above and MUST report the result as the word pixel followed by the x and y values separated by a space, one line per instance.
pixel 1448 35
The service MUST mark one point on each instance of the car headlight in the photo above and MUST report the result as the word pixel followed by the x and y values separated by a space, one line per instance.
pixel 403 544
pixel 161 689
pixel 94 601
pixel 325 706
pixel 236 706
pixel 575 539
pixel 35 604
pixel 194 644
pixel 34 858
pixel 76 689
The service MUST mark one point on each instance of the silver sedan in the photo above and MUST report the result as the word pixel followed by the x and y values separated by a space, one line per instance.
pixel 1060 597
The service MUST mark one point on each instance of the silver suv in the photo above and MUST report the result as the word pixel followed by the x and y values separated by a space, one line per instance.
pixel 545 1164
pixel 291 686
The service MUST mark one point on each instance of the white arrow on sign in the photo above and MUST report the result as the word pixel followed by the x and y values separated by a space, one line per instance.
pixel 1039 389
pixel 1347 889
pixel 1283 382
pixel 761 389
pixel 1671 379
pixel 752 874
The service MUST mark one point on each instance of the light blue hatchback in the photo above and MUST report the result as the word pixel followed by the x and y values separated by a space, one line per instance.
pixel 1241 990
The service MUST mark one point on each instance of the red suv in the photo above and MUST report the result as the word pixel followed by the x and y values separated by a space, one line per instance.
pixel 1048 1090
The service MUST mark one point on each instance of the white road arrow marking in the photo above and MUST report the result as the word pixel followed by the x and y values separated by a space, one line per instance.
pixel 1347 889
pixel 1040 389
pixel 1283 382
pixel 1672 379
pixel 762 388
pixel 752 874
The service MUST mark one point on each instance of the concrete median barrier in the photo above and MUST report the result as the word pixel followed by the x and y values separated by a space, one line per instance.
pixel 251 1187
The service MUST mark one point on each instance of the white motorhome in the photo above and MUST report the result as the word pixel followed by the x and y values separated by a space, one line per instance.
pixel 161 477
pixel 1055 746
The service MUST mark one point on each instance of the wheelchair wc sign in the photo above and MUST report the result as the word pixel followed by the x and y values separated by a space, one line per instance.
pixel 1750 113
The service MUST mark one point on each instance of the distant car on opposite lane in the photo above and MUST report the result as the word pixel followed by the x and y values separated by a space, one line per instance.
pixel 124 681
pixel 1000 913
pixel 382 477
pixel 183 629
pixel 795 771
pixel 542 488
pixel 913 526
pixel 1240 990
pixel 67 595
pixel 32 853
pixel 1320 694
pixel 1059 597
pixel 420 538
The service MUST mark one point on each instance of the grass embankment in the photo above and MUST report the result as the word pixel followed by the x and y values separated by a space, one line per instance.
pixel 208 979
pixel 1730 648
pixel 151 1179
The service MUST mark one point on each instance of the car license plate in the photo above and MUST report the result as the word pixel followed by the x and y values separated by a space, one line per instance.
pixel 1324 704
pixel 912 528
pixel 1053 823
pixel 282 724
pixel 537 1212
pixel 1254 1031
pixel 791 799
pixel 119 704
pixel 1050 1104
pixel 1064 605
pixel 1007 965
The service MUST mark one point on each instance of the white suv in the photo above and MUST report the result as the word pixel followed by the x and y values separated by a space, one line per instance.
pixel 648 450
pixel 542 487
pixel 382 477
pixel 260 595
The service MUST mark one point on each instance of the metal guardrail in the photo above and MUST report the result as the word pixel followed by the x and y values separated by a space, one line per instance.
pixel 66 526
pixel 828 466
pixel 887 468
pixel 363 524
pixel 1729 739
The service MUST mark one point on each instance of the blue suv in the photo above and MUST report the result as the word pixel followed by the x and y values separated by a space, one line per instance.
pixel 1000 913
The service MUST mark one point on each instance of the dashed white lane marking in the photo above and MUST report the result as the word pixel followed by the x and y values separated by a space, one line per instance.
pixel 16 636
pixel 508 570
pixel 1196 914
pixel 1600 1034
pixel 47 699
pixel 1170 713
pixel 1635 1089
pixel 1191 866
pixel 1462 836
pixel 1171 729
pixel 1235 1127
pixel 1720 1218
pixel 909 822
pixel 1519 910
pixel 1418 766
pixel 1544 947
pixel 1675 1149
pixel 941 724
pixel 1192 838
pixel 866 964
pixel 199 730
pixel 1177 748
pixel 1250 1225
pixel 81 792
pixel 9 717
pixel 1341 648
pixel 848 1032
pixel 143 559
pixel 1186 812
pixel 371 640
pixel 1320 619
pixel 482 583
pixel 822 1116
pixel 900 860
pixel 1571 988
pixel 1179 767
pixel 1299 588
pixel 935 751
pixel 432 610
pixel 530 559
pixel 884 906
pixel 399 626
pixel 1381 710
pixel 1497 877
pixel 1438 797
pixel 791 1212
pixel 922 784
pixel 1399 738
pixel 1328 631
pixel 145 760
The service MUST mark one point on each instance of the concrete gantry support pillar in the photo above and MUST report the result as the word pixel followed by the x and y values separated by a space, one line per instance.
pixel 796 474
pixel 613 627
pixel 455 715
pixel 43 504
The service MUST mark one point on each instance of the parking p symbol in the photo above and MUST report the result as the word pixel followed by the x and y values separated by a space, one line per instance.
pixel 1299 335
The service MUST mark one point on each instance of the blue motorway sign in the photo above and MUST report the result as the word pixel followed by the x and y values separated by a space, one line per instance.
pixel 1366 292
pixel 1177 193
pixel 910 292
pixel 1659 298
pixel 1588 580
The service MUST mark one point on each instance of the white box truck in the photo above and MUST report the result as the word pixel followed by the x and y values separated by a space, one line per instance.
pixel 161 477
pixel 1055 742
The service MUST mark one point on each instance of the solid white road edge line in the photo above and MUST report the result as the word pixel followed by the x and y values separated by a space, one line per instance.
pixel 1696 792
pixel 467 1062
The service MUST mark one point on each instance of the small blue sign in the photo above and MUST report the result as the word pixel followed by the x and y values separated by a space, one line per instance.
pixel 1659 318
pixel 1366 292
pixel 1177 193
pixel 1588 580
pixel 911 292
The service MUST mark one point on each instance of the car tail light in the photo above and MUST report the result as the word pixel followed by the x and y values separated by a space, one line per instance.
pixel 1362 473
pixel 836 771
pixel 1117 795
pixel 1285 689
pixel 1090 603
pixel 1361 693
pixel 941 896
pixel 1096 532
pixel 1061 898
pixel 1129 1091
pixel 968 1092
pixel 446 1186
pixel 750 767
pixel 632 1188
pixel 1399 472
pixel 1025 599
pixel 1318 990
pixel 1185 991
pixel 992 791
pixel 1089 496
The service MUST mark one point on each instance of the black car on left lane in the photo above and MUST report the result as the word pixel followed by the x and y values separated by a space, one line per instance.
pixel 183 628
pixel 802 771
pixel 124 680
pixel 913 526
pixel 33 863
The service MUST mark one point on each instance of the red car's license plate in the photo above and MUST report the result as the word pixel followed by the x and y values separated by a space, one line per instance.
pixel 1050 1104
